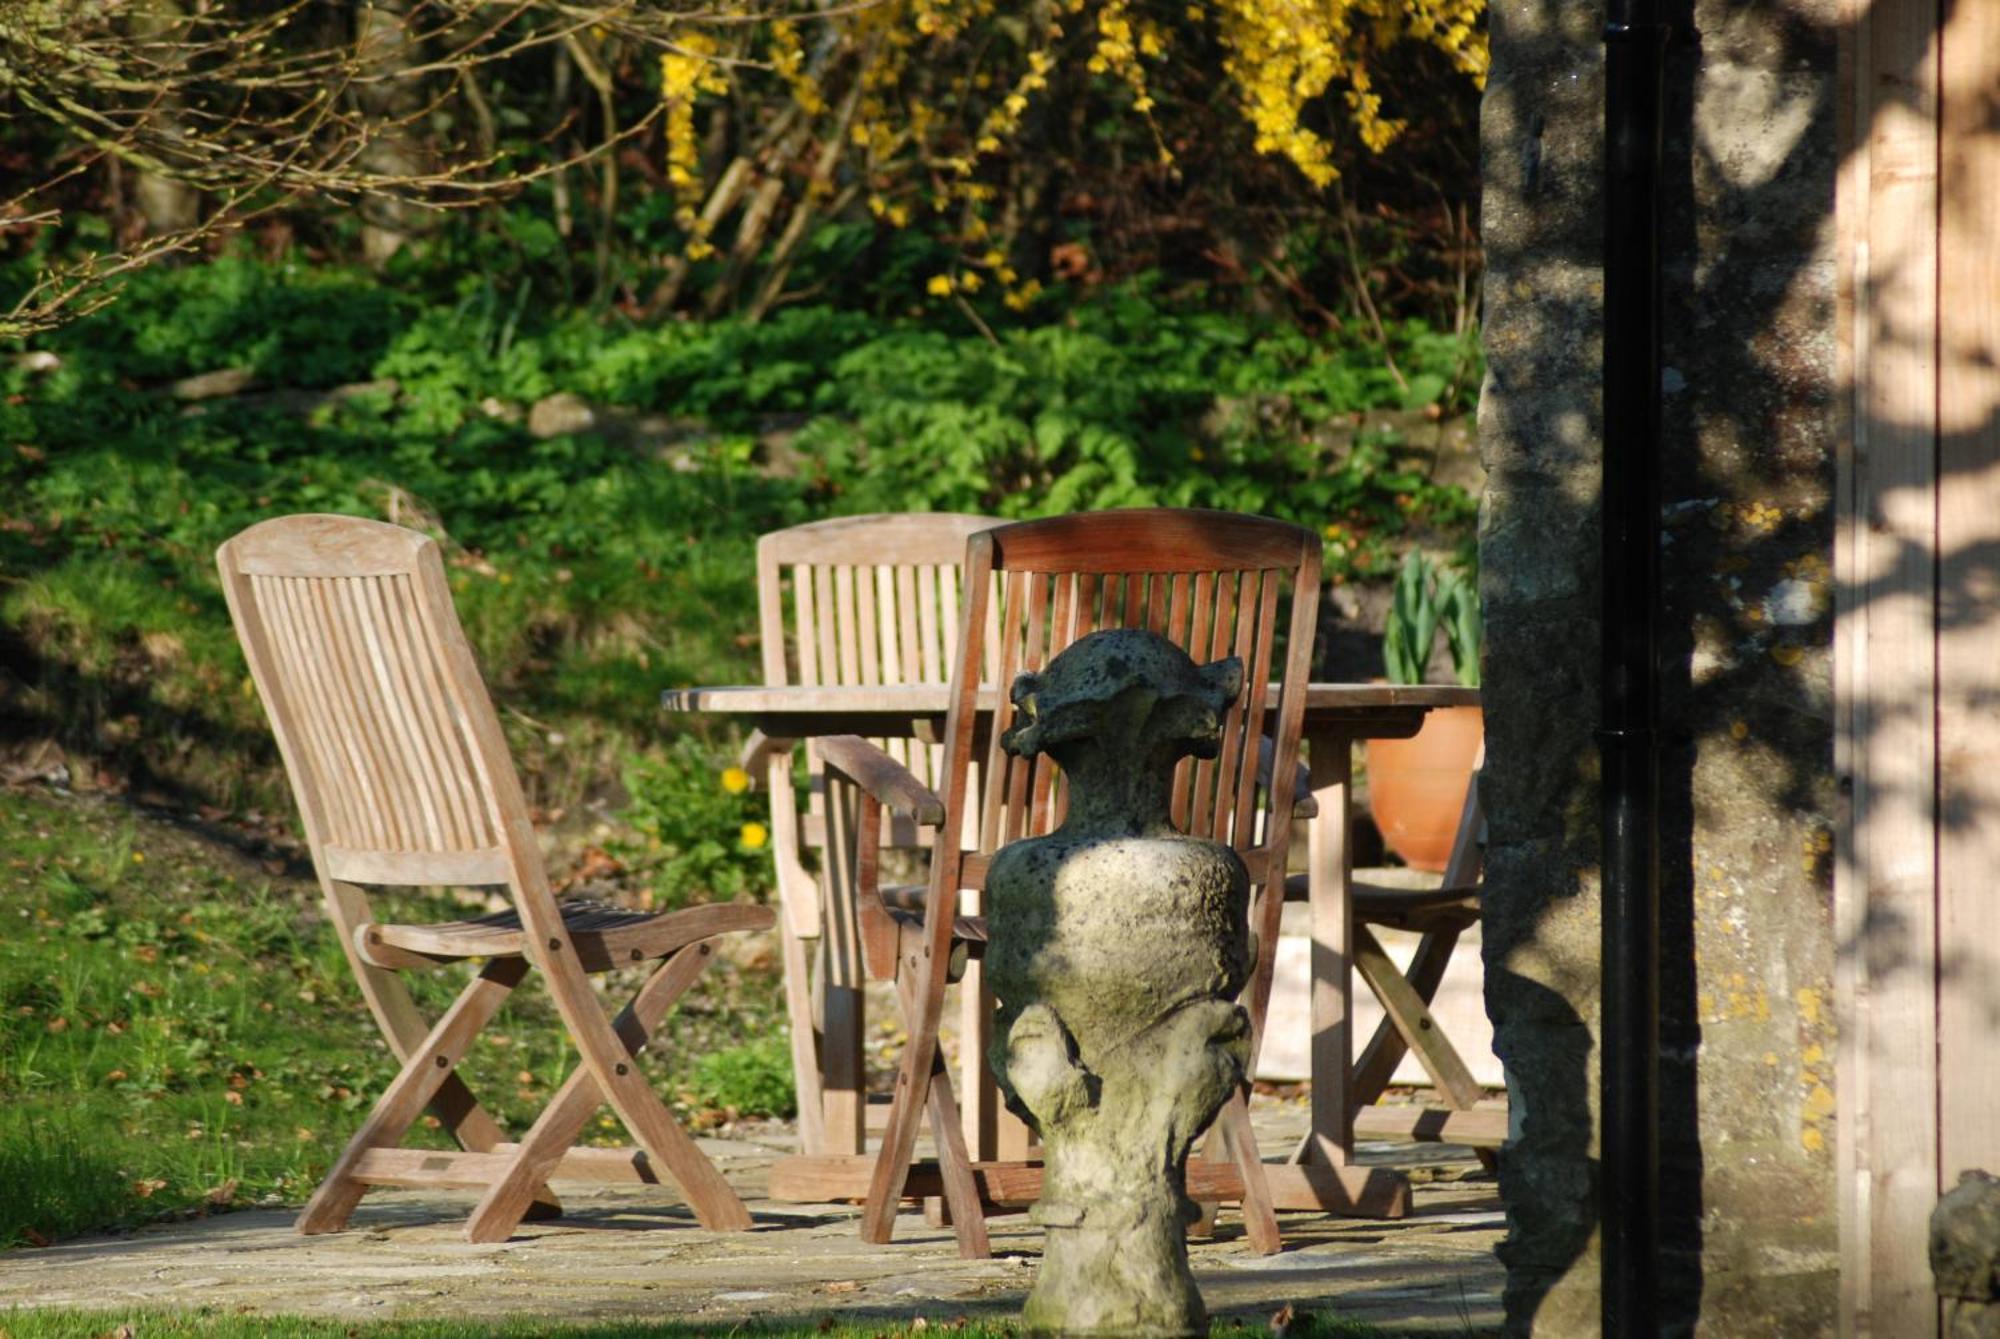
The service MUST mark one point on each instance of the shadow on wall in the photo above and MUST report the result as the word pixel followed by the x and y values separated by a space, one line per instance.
pixel 1548 1150
pixel 1748 783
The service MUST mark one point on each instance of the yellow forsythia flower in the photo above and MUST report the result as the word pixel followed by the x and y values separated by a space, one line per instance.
pixel 735 780
pixel 939 286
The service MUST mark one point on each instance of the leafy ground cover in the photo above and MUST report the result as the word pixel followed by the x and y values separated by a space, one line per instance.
pixel 591 572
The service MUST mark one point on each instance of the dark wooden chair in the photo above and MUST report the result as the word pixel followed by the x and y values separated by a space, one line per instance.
pixel 1218 585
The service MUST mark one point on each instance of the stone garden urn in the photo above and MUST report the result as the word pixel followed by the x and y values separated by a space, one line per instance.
pixel 1118 945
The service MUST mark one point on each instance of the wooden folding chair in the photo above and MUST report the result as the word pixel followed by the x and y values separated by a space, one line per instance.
pixel 1438 908
pixel 1439 913
pixel 859 601
pixel 403 777
pixel 1213 583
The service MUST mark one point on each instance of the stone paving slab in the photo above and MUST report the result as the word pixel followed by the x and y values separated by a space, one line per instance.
pixel 637 1252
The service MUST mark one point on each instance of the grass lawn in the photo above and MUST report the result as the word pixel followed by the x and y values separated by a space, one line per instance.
pixel 179 1032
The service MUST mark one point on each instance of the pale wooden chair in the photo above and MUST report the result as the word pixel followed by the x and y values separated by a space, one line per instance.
pixel 861 601
pixel 1213 583
pixel 403 777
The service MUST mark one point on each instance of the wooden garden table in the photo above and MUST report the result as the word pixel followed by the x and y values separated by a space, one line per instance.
pixel 1321 1172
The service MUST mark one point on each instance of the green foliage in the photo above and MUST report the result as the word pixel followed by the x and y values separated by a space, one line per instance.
pixel 1413 620
pixel 291 324
pixel 1464 628
pixel 1126 404
pixel 695 839
pixel 1425 597
pixel 591 573
pixel 754 1079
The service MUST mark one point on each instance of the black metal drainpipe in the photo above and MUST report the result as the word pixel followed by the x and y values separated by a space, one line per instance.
pixel 1635 42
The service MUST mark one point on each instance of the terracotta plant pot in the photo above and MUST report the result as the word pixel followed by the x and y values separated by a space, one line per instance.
pixel 1416 786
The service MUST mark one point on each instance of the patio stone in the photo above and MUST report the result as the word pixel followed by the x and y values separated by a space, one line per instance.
pixel 637 1252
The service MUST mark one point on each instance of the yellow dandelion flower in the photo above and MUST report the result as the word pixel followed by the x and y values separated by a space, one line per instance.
pixel 735 780
pixel 754 835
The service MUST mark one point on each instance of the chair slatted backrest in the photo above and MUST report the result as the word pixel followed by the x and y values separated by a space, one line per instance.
pixel 874 600
pixel 395 754
pixel 1214 583
pixel 862 601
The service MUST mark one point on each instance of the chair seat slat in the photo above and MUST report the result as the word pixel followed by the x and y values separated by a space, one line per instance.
pixel 605 936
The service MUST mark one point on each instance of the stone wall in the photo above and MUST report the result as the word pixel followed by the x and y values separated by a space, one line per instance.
pixel 1749 421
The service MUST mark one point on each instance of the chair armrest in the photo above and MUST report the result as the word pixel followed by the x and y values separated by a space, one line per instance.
pixel 882 777
pixel 758 750
pixel 1303 803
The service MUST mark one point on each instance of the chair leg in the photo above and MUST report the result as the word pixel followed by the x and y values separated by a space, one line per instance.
pixel 961 1191
pixel 805 1040
pixel 476 1132
pixel 923 1003
pixel 1407 1023
pixel 1260 1218
pixel 1212 1149
pixel 1406 1004
pixel 403 1027
pixel 606 1055
pixel 541 1151
pixel 423 1074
